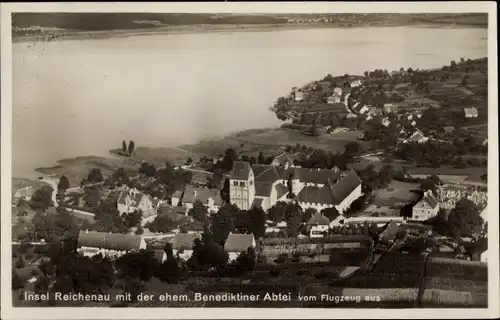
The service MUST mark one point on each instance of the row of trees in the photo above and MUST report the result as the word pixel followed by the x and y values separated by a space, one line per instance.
pixel 129 150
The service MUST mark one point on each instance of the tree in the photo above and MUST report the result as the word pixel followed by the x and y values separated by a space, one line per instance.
pixel 277 213
pixel 257 222
pixel 95 176
pixel 228 160
pixel 63 183
pixel 331 213
pixel 41 200
pixel 352 148
pixel 385 175
pixel 139 264
pixel 207 253
pixel 465 219
pixel 223 223
pixel 293 224
pixel 189 161
pixel 17 281
pixel 199 212
pixel 308 214
pixel 261 159
pixel 247 260
pixel 169 271
pixel 484 177
pixel 92 197
pixel 124 146
pixel 148 169
pixel 430 183
pixel 132 219
pixel 131 147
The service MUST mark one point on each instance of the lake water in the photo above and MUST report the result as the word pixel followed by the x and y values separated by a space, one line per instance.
pixel 84 97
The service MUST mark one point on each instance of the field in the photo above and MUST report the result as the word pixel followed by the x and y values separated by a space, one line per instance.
pixel 272 141
pixel 159 156
pixel 19 183
pixel 396 193
pixel 78 168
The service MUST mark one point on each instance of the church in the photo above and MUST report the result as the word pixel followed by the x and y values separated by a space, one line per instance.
pixel 263 185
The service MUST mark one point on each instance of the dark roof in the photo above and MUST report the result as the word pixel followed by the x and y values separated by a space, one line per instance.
pixel 345 186
pixel 184 241
pixel 201 177
pixel 112 241
pixel 281 190
pixel 263 189
pixel 175 214
pixel 317 176
pixel 321 195
pixel 331 193
pixel 236 242
pixel 318 219
pixel 136 197
pixel 430 199
pixel 192 194
pixel 241 170
pixel 389 232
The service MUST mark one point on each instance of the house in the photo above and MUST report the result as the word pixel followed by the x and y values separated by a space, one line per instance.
pixel 237 243
pixel 209 197
pixel 364 109
pixel 183 245
pixel 389 234
pixel 426 208
pixel 351 115
pixel 339 191
pixel 386 122
pixel 131 200
pixel 337 91
pixel 318 225
pixel 413 123
pixel 90 243
pixel 471 112
pixel 333 99
pixel 299 96
pixel 449 129
pixel 418 137
pixel 356 83
pixel 388 108
pixel 24 193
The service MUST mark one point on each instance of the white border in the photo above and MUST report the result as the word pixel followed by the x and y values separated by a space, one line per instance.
pixel 9 312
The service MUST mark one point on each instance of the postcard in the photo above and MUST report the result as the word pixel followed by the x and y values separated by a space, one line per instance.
pixel 249 160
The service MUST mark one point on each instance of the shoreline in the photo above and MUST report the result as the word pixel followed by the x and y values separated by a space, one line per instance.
pixel 67 34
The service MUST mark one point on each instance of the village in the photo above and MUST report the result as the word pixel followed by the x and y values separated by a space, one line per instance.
pixel 254 219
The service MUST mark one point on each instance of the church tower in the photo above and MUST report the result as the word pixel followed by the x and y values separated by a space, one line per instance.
pixel 242 185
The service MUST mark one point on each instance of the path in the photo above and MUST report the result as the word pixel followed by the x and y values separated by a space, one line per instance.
pixel 53 182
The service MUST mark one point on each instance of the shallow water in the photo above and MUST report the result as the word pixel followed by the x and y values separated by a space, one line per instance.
pixel 83 97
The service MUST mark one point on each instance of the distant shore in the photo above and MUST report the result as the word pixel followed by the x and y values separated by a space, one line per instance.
pixel 66 34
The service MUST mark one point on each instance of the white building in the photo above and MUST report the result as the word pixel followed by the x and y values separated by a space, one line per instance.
pixel 110 245
pixel 426 208
pixel 209 197
pixel 471 112
pixel 264 185
pixel 318 225
pixel 299 95
pixel 131 200
pixel 417 136
pixel 356 83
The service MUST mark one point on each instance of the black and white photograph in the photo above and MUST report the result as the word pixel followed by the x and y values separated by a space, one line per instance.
pixel 328 156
